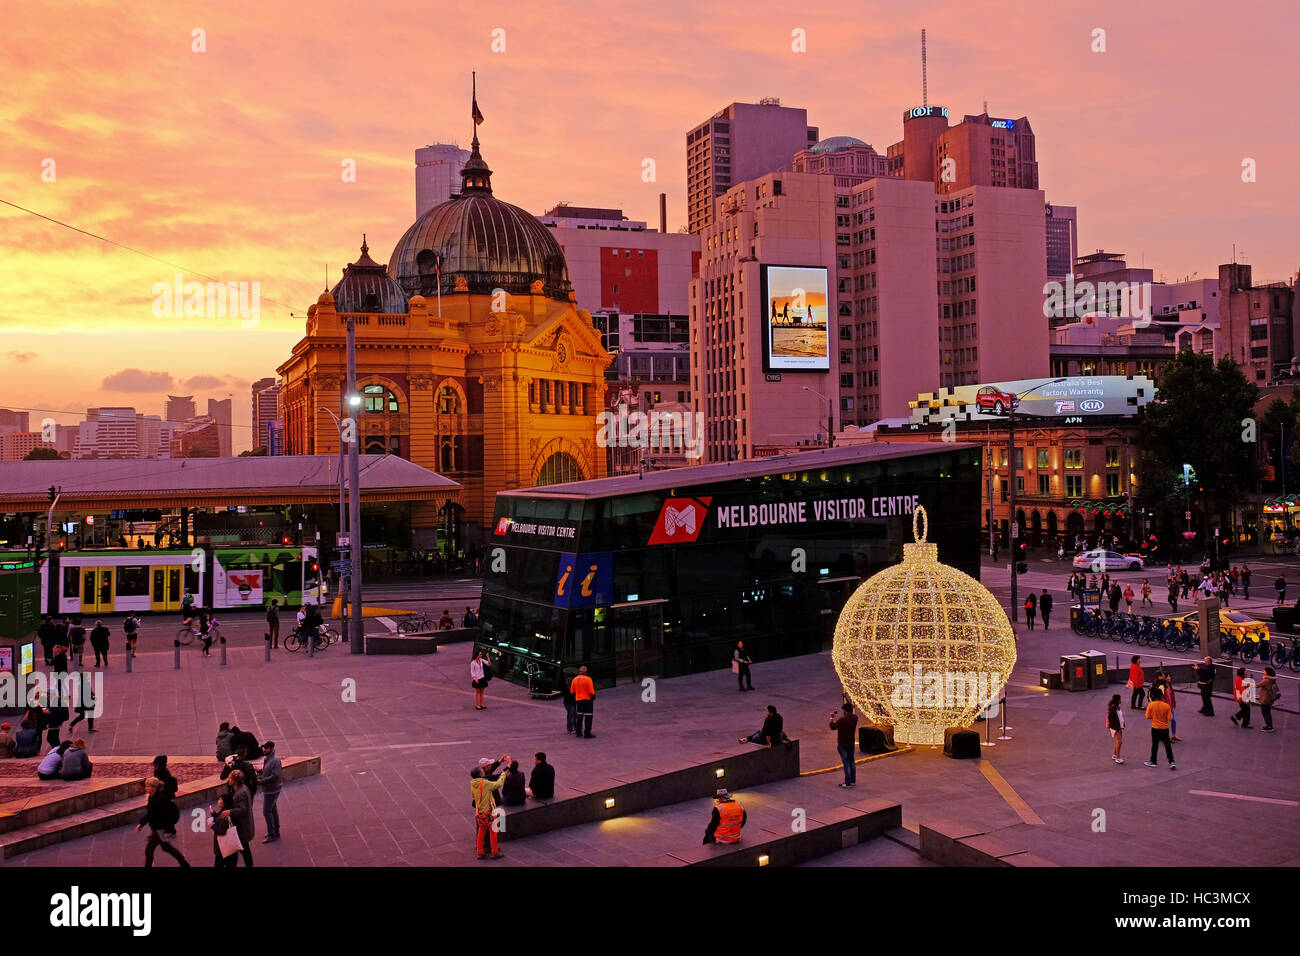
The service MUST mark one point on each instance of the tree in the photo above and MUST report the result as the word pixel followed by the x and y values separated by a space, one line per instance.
pixel 1203 415
pixel 42 454
pixel 257 452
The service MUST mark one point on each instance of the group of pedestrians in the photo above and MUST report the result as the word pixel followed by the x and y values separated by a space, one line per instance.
pixel 1161 710
pixel 500 783
pixel 68 636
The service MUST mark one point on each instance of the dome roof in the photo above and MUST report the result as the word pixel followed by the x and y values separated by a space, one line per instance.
pixel 366 287
pixel 835 144
pixel 475 236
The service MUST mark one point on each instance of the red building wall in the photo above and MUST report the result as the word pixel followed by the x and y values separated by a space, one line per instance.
pixel 636 274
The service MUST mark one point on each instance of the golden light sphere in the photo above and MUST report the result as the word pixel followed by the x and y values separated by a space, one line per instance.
pixel 923 646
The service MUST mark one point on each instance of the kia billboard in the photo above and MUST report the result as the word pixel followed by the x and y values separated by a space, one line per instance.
pixel 796 319
pixel 1066 399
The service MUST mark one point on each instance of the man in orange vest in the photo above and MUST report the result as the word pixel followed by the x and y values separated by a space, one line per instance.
pixel 584 702
pixel 728 817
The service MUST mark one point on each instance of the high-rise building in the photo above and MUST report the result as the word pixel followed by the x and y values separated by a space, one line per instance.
pixel 179 408
pixel 198 438
pixel 109 433
pixel 15 446
pixel 1257 323
pixel 12 421
pixel 437 176
pixel 65 439
pixel 219 412
pixel 266 410
pixel 979 151
pixel 1062 240
pixel 780 219
pixel 738 143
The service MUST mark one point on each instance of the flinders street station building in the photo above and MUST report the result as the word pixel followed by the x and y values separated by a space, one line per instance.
pixel 473 358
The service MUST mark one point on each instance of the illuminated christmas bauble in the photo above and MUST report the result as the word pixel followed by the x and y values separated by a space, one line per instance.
pixel 923 646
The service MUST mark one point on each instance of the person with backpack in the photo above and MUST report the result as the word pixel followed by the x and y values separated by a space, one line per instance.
pixel 162 815
pixel 77 640
pixel 273 623
pixel 1031 608
pixel 132 627
pixel 1268 695
pixel 1115 724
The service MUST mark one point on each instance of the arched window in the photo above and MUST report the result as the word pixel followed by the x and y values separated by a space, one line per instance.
pixel 378 399
pixel 448 401
pixel 560 467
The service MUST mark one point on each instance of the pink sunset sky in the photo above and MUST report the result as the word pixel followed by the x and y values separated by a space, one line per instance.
pixel 227 162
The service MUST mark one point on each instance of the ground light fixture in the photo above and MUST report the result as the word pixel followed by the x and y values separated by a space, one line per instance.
pixel 762 859
pixel 923 646
pixel 719 773
pixel 609 803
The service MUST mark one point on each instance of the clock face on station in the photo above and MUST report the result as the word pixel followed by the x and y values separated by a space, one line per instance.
pixel 562 352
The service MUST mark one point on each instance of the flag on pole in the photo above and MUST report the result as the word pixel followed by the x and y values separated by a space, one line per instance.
pixel 474 111
pixel 478 117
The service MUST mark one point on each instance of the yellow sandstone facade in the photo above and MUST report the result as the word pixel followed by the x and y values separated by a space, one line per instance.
pixel 473 358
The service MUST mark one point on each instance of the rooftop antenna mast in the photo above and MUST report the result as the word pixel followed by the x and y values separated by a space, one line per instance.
pixel 925 86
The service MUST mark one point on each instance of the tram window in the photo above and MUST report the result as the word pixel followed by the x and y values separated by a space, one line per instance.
pixel 191 579
pixel 133 581
pixel 310 576
pixel 72 582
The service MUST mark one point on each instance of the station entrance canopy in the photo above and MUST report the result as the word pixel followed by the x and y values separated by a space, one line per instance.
pixel 94 485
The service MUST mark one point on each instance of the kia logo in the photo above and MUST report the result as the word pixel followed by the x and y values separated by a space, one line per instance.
pixel 1091 405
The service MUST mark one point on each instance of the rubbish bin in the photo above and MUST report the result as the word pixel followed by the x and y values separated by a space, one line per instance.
pixel 1074 672
pixel 1097 673
pixel 1050 680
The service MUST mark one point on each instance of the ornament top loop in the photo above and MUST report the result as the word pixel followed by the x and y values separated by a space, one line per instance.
pixel 920 524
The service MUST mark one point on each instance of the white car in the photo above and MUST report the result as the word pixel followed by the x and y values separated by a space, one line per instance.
pixel 1099 560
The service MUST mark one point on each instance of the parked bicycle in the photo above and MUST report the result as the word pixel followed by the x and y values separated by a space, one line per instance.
pixel 1285 654
pixel 420 621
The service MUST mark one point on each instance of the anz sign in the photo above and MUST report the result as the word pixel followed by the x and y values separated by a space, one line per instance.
pixel 1003 124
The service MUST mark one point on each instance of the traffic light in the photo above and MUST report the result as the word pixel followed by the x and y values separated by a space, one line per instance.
pixel 1022 552
pixel 53 493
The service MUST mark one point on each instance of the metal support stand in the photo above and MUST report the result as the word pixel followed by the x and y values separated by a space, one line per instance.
pixel 223 651
pixel 988 733
pixel 177 646
pixel 310 637
pixel 268 648
pixel 1005 728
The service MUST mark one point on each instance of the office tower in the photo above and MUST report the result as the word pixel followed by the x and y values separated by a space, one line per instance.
pixel 1062 240
pixel 219 412
pixel 109 433
pixel 179 408
pixel 13 421
pixel 437 176
pixel 740 142
pixel 15 446
pixel 979 151
pixel 778 229
pixel 265 411
pixel 1257 323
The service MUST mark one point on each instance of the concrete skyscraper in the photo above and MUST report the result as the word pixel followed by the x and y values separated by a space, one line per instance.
pixel 437 174
pixel 742 141
pixel 179 408
pixel 219 412
pixel 265 410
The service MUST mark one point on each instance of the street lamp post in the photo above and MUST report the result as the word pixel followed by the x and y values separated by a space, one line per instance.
pixel 1011 470
pixel 830 415
pixel 357 622
pixel 343 524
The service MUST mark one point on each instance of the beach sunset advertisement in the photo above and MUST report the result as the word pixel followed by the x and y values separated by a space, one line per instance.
pixel 796 319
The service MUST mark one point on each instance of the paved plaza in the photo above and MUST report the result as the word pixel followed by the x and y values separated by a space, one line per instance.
pixel 394 783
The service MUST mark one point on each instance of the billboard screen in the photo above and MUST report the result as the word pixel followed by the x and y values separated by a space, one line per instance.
pixel 1066 399
pixel 796 326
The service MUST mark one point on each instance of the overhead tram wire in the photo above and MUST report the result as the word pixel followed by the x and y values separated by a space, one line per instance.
pixel 138 252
